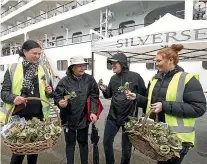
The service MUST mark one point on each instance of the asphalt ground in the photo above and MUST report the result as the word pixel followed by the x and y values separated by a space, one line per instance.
pixel 197 155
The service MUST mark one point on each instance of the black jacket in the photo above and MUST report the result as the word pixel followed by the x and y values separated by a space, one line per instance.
pixel 33 108
pixel 194 104
pixel 121 107
pixel 74 115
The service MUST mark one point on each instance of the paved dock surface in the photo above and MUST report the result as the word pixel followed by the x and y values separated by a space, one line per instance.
pixel 197 155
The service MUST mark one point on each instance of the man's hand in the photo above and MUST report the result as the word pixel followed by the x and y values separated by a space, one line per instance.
pixel 63 103
pixel 93 118
pixel 130 95
pixel 19 100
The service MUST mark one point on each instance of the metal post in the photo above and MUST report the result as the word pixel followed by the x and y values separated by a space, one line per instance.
pixel 101 20
pixel 46 14
pixel 45 41
pixel 189 9
pixel 106 23
pixel 67 35
pixel 1 49
pixel 92 71
pixel 26 36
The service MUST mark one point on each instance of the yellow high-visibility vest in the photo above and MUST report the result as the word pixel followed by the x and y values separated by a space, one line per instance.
pixel 16 76
pixel 183 127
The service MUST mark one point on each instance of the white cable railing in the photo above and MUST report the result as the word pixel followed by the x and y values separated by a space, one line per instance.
pixel 14 8
pixel 56 11
pixel 12 50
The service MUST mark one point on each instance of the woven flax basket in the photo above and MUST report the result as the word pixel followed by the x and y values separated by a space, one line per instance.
pixel 144 144
pixel 34 147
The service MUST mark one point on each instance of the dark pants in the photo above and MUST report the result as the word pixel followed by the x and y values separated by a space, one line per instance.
pixel 18 159
pixel 110 132
pixel 183 152
pixel 70 138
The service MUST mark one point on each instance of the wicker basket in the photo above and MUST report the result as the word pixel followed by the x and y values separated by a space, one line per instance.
pixel 143 144
pixel 34 147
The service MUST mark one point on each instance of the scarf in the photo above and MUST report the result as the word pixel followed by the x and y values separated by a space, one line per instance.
pixel 30 73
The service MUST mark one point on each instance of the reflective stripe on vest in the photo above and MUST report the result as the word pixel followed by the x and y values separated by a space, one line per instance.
pixel 179 98
pixel 184 127
pixel 18 82
pixel 13 68
pixel 3 112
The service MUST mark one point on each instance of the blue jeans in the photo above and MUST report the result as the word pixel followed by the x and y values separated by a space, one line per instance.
pixel 110 132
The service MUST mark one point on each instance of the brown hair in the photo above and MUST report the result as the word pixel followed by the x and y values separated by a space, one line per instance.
pixel 171 52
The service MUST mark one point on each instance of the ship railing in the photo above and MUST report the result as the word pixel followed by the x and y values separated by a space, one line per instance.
pixel 79 39
pixel 49 14
pixel 87 38
pixel 11 50
pixel 14 8
pixel 69 41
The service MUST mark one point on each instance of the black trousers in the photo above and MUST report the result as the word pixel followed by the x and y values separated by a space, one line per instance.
pixel 183 152
pixel 81 135
pixel 18 159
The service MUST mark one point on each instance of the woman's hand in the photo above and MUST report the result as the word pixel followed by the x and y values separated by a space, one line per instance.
pixel 93 118
pixel 63 103
pixel 19 100
pixel 48 89
pixel 156 107
pixel 130 95
pixel 2 123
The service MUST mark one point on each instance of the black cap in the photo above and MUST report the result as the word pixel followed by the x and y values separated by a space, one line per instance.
pixel 119 57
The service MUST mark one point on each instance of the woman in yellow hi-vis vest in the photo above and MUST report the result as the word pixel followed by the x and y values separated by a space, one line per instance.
pixel 176 96
pixel 26 79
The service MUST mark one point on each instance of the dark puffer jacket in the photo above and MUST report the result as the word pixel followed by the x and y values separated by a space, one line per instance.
pixel 121 107
pixel 194 104
pixel 74 115
pixel 34 107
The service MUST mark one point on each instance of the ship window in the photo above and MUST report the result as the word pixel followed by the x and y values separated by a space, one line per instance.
pixel 151 66
pixel 96 37
pixel 62 65
pixel 127 26
pixel 89 65
pixel 1 67
pixel 6 51
pixel 59 41
pixel 77 37
pixel 204 64
pixel 180 14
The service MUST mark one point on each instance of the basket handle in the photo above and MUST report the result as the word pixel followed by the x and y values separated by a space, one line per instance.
pixel 34 98
pixel 145 119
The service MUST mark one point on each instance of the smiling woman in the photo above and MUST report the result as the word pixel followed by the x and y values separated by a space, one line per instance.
pixel 30 50
pixel 73 111
pixel 167 58
pixel 174 97
pixel 22 80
